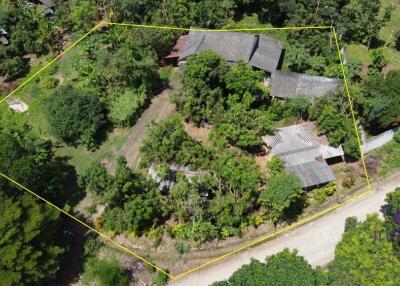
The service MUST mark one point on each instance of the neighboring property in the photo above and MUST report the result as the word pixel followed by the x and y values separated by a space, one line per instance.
pixel 47 7
pixel 304 153
pixel 4 37
pixel 285 84
pixel 260 51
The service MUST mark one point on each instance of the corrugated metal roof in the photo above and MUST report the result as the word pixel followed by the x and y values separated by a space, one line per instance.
pixel 289 138
pixel 267 54
pixel 262 52
pixel 303 153
pixel 313 173
pixel 290 84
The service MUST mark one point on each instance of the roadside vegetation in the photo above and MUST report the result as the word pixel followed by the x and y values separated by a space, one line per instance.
pixel 362 243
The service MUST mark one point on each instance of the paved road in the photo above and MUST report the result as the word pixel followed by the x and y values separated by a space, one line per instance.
pixel 315 241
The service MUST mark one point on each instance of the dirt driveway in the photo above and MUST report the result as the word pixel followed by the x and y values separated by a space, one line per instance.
pixel 316 241
pixel 159 109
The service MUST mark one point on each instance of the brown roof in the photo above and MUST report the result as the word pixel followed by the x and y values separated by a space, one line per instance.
pixel 179 47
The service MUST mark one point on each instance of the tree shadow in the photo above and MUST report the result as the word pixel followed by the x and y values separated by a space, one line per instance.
pixel 296 208
pixel 71 193
pixel 73 235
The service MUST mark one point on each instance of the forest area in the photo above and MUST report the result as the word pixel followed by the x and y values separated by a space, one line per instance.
pixel 82 109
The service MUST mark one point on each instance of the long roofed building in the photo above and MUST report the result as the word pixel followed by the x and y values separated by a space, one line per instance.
pixel 260 51
pixel 304 153
pixel 285 84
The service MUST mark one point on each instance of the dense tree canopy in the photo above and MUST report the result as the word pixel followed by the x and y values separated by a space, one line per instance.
pixel 281 191
pixel 74 116
pixel 29 251
pixel 379 101
pixel 283 268
pixel 133 202
pixel 365 257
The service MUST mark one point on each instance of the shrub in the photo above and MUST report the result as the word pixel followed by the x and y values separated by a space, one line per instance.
pixel 182 247
pixel 14 68
pixel 160 279
pixel 127 107
pixel 104 272
pixel 48 82
pixel 320 195
pixel 348 180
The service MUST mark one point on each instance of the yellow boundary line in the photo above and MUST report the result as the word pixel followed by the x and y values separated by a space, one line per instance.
pixel 262 239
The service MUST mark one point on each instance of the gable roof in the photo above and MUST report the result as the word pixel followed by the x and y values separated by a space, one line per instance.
pixel 260 51
pixel 303 153
pixel 287 84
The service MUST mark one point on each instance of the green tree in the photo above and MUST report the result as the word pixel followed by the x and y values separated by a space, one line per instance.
pixel 242 78
pixel 14 68
pixel 275 166
pixel 359 21
pixel 280 194
pixel 169 142
pixel 83 14
pixel 29 251
pixel 379 101
pixel 73 116
pixel 365 257
pixel 283 268
pixel 204 86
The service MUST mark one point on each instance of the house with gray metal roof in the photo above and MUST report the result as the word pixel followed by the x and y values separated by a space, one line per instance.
pixel 304 153
pixel 285 84
pixel 260 51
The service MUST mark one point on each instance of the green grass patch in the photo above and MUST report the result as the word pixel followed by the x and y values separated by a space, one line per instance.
pixel 358 52
pixel 82 158
pixel 390 156
pixel 393 25
pixel 393 57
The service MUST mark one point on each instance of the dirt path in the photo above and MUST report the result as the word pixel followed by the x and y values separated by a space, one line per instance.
pixel 159 109
pixel 316 241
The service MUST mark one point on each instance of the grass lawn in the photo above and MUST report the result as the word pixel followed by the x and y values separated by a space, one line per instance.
pixel 390 155
pixel 393 25
pixel 82 158
pixel 358 52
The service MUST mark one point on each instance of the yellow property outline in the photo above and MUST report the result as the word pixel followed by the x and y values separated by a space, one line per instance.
pixel 259 240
